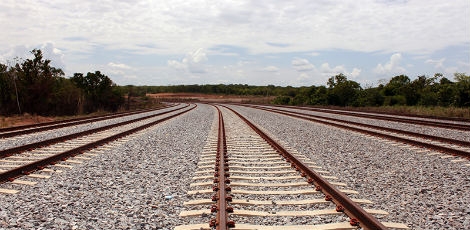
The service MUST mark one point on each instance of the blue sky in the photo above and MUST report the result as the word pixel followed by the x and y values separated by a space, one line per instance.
pixel 297 43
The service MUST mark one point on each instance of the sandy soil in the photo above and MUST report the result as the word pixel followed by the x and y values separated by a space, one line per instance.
pixel 210 97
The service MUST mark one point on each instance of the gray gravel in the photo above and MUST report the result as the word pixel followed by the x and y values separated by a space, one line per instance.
pixel 425 192
pixel 6 143
pixel 434 131
pixel 140 184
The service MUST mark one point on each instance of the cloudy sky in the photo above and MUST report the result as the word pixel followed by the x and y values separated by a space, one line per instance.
pixel 299 42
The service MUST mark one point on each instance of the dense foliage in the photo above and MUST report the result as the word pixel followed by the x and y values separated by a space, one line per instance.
pixel 400 90
pixel 35 87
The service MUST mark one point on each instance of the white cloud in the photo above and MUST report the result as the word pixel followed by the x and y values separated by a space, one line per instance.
pixel 179 25
pixel 22 52
pixel 176 64
pixel 119 65
pixel 270 69
pixel 326 69
pixel 302 65
pixel 437 63
pixel 87 33
pixel 355 73
pixel 393 66
pixel 193 62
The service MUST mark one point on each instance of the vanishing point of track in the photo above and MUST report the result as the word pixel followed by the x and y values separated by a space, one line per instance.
pixel 247 164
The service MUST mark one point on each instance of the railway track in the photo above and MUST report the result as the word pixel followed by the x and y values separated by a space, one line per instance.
pixel 246 180
pixel 25 160
pixel 34 128
pixel 421 120
pixel 30 144
pixel 441 144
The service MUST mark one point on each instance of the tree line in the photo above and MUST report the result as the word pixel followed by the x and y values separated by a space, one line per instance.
pixel 34 86
pixel 340 91
pixel 400 90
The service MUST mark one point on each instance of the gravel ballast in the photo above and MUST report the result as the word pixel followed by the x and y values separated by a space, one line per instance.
pixel 12 142
pixel 140 184
pixel 425 192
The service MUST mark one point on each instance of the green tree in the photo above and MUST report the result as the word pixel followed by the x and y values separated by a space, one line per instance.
pixel 446 93
pixel 398 91
pixel 7 91
pixel 36 79
pixel 99 91
pixel 462 89
pixel 319 96
pixel 65 97
pixel 343 92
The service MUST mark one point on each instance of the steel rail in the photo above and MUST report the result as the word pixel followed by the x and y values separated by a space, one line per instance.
pixel 388 118
pixel 221 179
pixel 41 164
pixel 343 203
pixel 382 135
pixel 15 150
pixel 20 130
pixel 420 135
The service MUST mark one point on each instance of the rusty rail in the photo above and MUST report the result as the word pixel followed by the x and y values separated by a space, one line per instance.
pixel 221 181
pixel 390 118
pixel 343 203
pixel 15 150
pixel 382 135
pixel 12 174
pixel 25 129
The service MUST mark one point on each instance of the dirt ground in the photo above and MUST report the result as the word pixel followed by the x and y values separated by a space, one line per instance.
pixel 210 98
pixel 25 119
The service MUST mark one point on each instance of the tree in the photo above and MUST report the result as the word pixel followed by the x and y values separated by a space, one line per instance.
pixel 35 83
pixel 462 89
pixel 446 94
pixel 7 91
pixel 99 91
pixel 397 90
pixel 342 91
pixel 319 96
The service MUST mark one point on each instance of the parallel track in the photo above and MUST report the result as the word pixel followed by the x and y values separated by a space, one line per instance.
pixel 442 144
pixel 44 126
pixel 389 117
pixel 19 149
pixel 249 165
pixel 60 150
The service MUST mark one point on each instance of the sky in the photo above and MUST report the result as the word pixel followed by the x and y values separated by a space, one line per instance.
pixel 276 42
